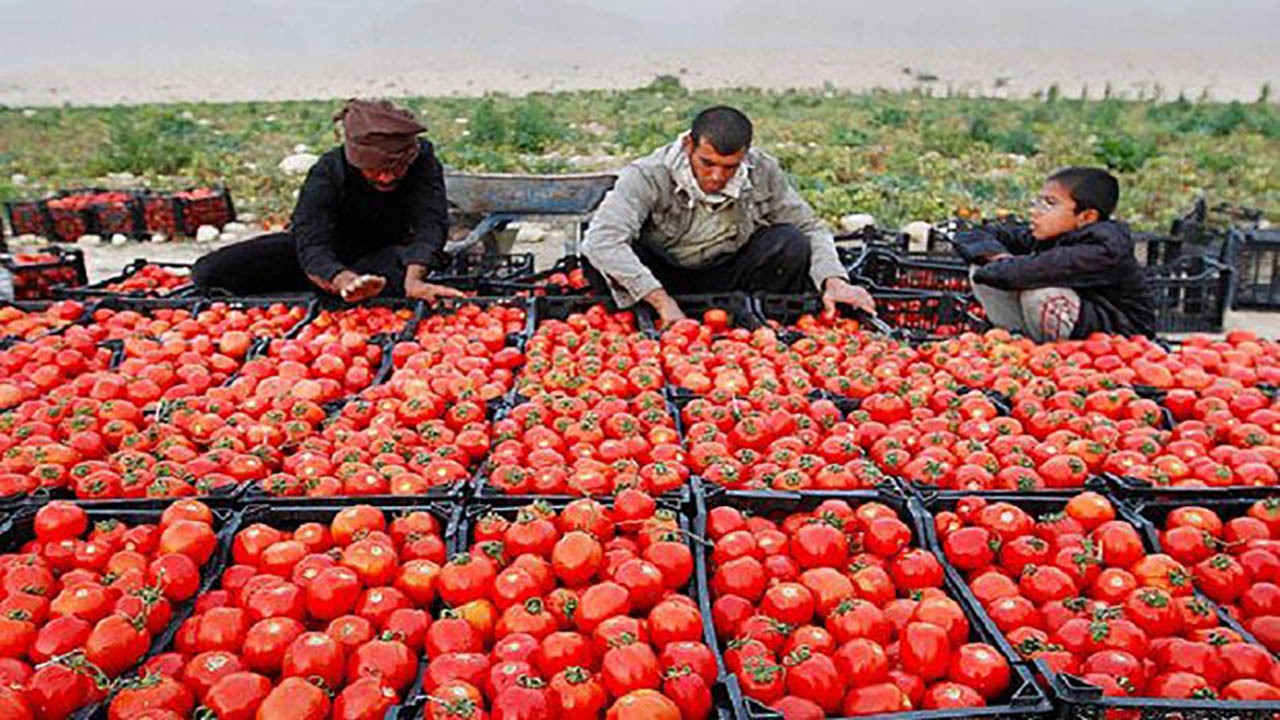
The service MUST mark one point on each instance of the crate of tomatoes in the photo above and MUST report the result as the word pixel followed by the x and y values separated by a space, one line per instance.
pixel 580 609
pixel 92 592
pixel 160 214
pixel 1115 626
pixel 73 213
pixel 27 217
pixel 566 277
pixel 203 206
pixel 39 274
pixel 1232 548
pixel 141 278
pixel 838 608
pixel 321 612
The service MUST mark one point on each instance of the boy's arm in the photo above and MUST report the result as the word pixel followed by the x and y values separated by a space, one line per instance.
pixel 979 245
pixel 1074 266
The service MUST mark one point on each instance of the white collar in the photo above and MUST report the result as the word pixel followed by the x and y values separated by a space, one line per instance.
pixel 682 173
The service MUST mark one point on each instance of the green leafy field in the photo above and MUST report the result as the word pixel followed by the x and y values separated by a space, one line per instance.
pixel 898 156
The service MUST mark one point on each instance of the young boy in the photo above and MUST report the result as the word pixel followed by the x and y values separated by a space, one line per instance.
pixel 1071 274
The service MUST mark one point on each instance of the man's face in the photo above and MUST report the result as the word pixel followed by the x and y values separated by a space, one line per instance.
pixel 382 180
pixel 1054 213
pixel 711 169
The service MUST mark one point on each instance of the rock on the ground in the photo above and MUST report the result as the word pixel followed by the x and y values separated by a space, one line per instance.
pixel 301 148
pixel 236 228
pixel 853 222
pixel 89 240
pixel 298 163
pixel 27 239
pixel 159 238
pixel 247 218
pixel 229 237
pixel 18 179
pixel 918 235
pixel 531 233
pixel 206 233
pixel 119 239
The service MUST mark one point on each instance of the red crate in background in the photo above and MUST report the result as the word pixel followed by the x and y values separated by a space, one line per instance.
pixel 204 206
pixel 38 273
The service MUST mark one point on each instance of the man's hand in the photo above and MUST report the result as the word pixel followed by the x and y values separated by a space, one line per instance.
pixel 840 291
pixel 667 308
pixel 356 288
pixel 419 289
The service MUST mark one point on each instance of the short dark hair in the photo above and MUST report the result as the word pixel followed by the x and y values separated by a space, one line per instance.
pixel 727 129
pixel 1091 188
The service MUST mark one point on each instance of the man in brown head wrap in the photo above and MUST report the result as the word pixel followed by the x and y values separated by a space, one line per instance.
pixel 371 218
pixel 380 139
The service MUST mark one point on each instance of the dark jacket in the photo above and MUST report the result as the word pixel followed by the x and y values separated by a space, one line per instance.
pixel 340 216
pixel 1096 261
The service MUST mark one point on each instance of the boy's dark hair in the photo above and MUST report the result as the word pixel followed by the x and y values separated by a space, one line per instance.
pixel 1091 188
pixel 727 129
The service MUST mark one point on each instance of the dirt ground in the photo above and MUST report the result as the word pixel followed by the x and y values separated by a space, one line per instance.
pixel 105 261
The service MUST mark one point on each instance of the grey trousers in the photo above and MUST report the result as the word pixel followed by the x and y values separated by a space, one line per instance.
pixel 1043 314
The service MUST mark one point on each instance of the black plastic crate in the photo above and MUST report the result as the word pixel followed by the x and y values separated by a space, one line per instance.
pixel 721 694
pixel 1023 699
pixel 541 283
pixel 888 270
pixel 1154 249
pixel 27 217
pixel 786 310
pixel 290 517
pixel 1191 294
pixel 67 224
pixel 739 306
pixel 1255 256
pixel 484 491
pixel 104 288
pixel 1075 698
pixel 226 522
pixel 123 216
pixel 445 306
pixel 203 206
pixel 1151 516
pixel 38 274
pixel 924 316
pixel 332 303
pixel 1208 224
pixel 466 271
pixel 160 214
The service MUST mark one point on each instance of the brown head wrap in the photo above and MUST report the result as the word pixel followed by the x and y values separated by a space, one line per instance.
pixel 379 135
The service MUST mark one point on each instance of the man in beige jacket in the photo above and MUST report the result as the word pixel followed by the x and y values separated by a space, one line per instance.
pixel 709 213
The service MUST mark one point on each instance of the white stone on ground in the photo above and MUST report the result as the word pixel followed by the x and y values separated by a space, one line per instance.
pixel 853 222
pixel 918 235
pixel 298 163
pixel 531 233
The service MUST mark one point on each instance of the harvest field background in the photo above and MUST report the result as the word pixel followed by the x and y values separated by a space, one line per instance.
pixel 900 156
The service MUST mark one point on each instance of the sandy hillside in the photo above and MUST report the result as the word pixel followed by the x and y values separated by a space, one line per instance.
pixel 73 51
